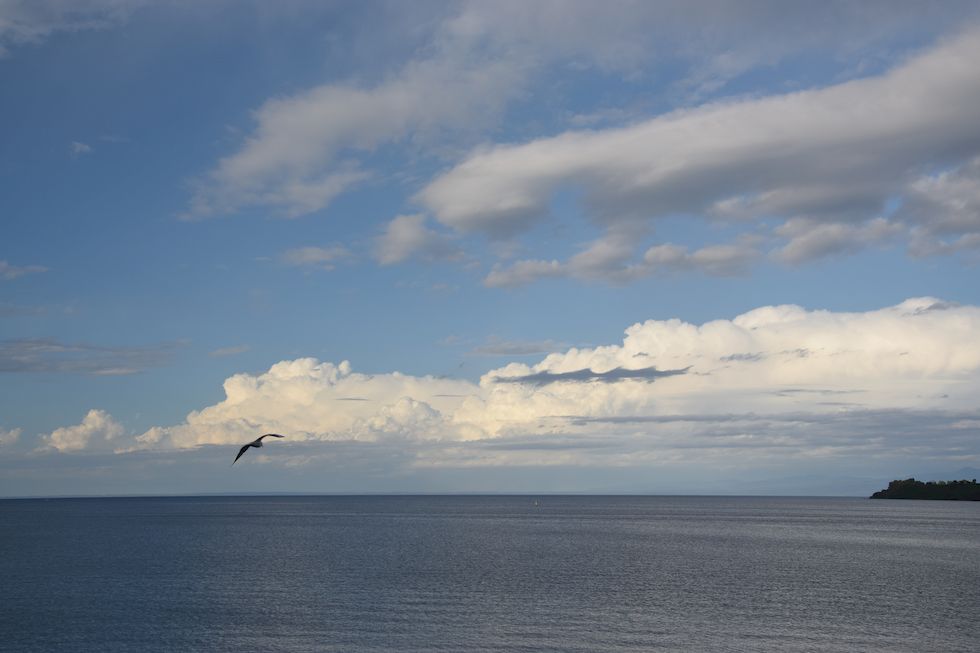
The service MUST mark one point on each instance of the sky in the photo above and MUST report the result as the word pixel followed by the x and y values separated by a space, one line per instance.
pixel 602 247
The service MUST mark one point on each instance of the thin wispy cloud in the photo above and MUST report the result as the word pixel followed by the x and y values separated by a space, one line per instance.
pixel 49 355
pixel 30 22
pixel 316 258
pixel 224 352
pixel 9 272
pixel 8 309
pixel 499 347
pixel 77 149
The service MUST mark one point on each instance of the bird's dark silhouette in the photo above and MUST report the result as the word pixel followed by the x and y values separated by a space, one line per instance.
pixel 257 442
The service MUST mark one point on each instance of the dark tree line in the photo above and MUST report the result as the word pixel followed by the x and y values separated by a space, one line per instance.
pixel 913 489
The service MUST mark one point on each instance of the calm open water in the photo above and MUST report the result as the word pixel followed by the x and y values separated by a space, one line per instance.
pixel 489 574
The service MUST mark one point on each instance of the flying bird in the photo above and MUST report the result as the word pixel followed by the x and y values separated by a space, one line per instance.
pixel 257 442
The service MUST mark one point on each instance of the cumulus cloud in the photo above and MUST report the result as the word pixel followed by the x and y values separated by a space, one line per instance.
pixel 809 240
pixel 310 399
pixel 323 258
pixel 9 436
pixel 778 385
pixel 717 260
pixel 775 383
pixel 407 236
pixel 9 272
pixel 611 259
pixel 97 430
pixel 945 210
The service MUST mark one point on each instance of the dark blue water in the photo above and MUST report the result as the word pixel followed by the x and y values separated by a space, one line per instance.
pixel 489 574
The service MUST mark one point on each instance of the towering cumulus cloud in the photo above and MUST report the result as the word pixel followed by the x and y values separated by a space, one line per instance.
pixel 765 378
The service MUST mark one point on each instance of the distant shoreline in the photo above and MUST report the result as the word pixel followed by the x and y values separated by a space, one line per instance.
pixel 931 490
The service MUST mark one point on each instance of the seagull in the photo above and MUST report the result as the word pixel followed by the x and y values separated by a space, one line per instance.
pixel 257 442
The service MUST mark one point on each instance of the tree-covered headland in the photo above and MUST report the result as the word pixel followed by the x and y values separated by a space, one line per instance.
pixel 948 490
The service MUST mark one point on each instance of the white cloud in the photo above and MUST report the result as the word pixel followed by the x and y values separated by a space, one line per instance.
pixel 717 260
pixel 945 210
pixel 477 58
pixel 322 258
pixel 523 272
pixel 777 382
pixel 9 272
pixel 906 356
pixel 98 429
pixel 77 149
pixel 9 436
pixel 611 258
pixel 809 240
pixel 407 236
pixel 830 159
pixel 309 399
pixel 715 40
pixel 301 153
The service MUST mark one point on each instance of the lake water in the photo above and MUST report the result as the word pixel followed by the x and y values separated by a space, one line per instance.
pixel 489 574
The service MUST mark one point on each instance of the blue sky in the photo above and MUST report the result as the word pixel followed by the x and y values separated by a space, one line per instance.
pixel 453 246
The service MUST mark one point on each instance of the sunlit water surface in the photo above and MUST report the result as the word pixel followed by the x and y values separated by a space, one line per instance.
pixel 489 574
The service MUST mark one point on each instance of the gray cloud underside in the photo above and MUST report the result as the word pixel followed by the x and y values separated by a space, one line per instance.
pixel 740 358
pixel 738 450
pixel 51 355
pixel 935 306
pixel 551 443
pixel 789 392
pixel 870 433
pixel 587 375
pixel 943 418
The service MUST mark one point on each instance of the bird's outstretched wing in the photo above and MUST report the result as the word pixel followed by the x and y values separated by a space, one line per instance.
pixel 275 435
pixel 240 452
